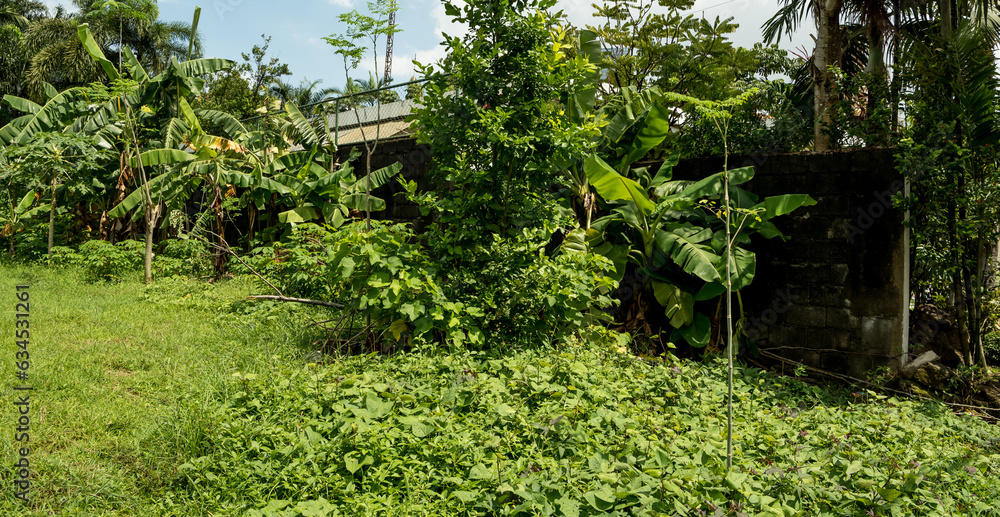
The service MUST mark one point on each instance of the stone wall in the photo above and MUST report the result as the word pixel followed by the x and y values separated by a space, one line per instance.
pixel 833 295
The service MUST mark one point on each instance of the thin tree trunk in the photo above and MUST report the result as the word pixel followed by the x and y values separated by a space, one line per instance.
pixel 827 54
pixel 52 216
pixel 961 316
pixel 220 230
pixel 980 272
pixel 895 88
pixel 947 22
pixel 152 216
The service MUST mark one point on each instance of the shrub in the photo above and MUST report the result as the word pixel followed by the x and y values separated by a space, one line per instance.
pixel 102 260
pixel 183 257
pixel 514 295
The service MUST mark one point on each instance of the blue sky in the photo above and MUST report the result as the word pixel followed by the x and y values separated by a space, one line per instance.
pixel 297 28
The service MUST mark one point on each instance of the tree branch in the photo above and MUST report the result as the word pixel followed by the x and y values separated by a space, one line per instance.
pixel 296 300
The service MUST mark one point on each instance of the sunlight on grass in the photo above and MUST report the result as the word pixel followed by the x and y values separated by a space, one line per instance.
pixel 110 364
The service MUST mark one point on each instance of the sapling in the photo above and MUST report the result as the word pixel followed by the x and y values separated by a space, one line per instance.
pixel 720 112
pixel 362 27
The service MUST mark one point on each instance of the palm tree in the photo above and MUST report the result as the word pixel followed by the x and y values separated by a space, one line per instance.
pixel 15 16
pixel 306 93
pixel 59 58
pixel 873 16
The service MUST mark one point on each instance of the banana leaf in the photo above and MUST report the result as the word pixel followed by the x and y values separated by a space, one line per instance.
pixel 613 186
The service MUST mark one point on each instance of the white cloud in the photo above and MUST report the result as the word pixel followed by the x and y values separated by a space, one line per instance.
pixel 346 4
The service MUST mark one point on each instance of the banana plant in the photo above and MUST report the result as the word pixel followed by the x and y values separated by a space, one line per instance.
pixel 318 187
pixel 672 232
pixel 14 216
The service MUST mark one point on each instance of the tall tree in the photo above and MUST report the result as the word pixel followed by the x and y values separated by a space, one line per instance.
pixel 59 58
pixel 15 17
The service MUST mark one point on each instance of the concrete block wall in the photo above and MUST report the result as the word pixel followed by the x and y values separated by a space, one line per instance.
pixel 414 158
pixel 835 294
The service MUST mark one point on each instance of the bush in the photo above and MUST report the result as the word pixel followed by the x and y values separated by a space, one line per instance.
pixel 383 278
pixel 991 346
pixel 513 295
pixel 103 261
pixel 529 298
pixel 183 257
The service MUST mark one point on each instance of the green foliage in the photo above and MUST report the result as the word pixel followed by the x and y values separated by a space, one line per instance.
pixel 950 155
pixel 103 261
pixel 991 345
pixel 183 257
pixel 579 430
pixel 384 274
pixel 243 89
pixel 675 232
pixel 863 111
pixel 530 298
pixel 660 43
pixel 773 120
pixel 497 148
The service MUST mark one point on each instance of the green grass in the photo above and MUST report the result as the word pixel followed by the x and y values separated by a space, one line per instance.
pixel 113 364
pixel 184 399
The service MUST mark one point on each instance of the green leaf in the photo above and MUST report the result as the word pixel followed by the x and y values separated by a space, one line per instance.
pixel 613 186
pixel 162 157
pixel 50 91
pixel 304 131
pixel 83 32
pixel 666 170
pixel 378 178
pixel 743 265
pixel 709 291
pixel 21 104
pixel 683 245
pixel 134 67
pixel 575 241
pixel 889 494
pixel 678 305
pixel 653 127
pixel 481 472
pixel 233 127
pixel 780 205
pixel 602 499
pixel 299 214
pixel 204 66
pixel 357 202
pixel 697 334
pixel 741 175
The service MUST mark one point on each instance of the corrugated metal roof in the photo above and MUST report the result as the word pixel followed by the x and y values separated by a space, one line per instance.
pixel 384 130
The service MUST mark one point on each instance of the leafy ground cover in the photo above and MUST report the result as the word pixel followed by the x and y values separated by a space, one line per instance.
pixel 182 399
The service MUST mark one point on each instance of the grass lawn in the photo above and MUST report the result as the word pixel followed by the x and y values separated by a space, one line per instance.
pixel 112 366
pixel 184 399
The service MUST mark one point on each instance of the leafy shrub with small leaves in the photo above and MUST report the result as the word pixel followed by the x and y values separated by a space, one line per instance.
pixel 381 275
pixel 991 346
pixel 515 296
pixel 183 257
pixel 578 430
pixel 103 261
